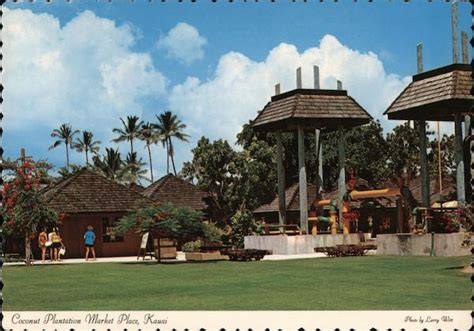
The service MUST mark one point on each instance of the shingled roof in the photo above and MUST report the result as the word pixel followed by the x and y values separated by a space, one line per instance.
pixel 88 192
pixel 292 199
pixel 435 95
pixel 312 109
pixel 176 191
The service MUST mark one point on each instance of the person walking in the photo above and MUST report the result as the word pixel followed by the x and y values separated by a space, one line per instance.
pixel 57 244
pixel 89 240
pixel 49 244
pixel 42 239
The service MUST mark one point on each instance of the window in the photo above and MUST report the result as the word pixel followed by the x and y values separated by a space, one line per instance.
pixel 108 230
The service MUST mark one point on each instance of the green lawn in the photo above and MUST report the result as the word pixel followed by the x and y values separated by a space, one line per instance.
pixel 353 283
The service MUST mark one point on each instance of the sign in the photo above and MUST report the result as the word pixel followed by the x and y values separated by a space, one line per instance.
pixel 144 240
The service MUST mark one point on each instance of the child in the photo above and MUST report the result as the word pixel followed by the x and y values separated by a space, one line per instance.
pixel 89 240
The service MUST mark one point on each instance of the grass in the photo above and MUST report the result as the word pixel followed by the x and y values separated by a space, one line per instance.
pixel 353 283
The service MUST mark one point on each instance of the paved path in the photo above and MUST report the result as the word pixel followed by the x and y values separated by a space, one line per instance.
pixel 180 258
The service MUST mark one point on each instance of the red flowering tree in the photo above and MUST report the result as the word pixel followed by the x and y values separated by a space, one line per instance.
pixel 24 210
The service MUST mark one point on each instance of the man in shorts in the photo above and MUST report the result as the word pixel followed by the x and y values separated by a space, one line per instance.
pixel 89 239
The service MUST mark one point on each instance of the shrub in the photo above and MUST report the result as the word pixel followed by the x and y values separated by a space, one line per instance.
pixel 212 233
pixel 192 246
pixel 243 225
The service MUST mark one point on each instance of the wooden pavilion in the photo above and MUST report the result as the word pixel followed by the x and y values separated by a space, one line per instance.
pixel 303 110
pixel 442 94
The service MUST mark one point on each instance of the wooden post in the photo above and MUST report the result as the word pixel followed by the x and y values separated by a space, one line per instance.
pixel 400 215
pixel 419 58
pixel 281 181
pixel 318 143
pixel 302 181
pixel 316 77
pixel 277 89
pixel 341 184
pixel 454 29
pixel 299 81
pixel 460 187
pixel 425 180
pixel 280 173
pixel 465 54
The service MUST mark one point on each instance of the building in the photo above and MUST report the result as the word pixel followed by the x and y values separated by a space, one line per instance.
pixel 177 191
pixel 88 198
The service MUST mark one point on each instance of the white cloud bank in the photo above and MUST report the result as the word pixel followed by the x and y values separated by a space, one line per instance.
pixel 84 72
pixel 183 43
pixel 241 86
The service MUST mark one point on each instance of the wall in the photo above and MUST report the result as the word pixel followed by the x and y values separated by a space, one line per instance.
pixel 72 232
pixel 445 244
pixel 299 244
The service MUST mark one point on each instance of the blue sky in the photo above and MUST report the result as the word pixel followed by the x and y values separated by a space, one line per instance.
pixel 213 64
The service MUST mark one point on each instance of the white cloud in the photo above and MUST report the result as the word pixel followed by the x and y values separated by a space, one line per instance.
pixel 241 86
pixel 183 43
pixel 84 72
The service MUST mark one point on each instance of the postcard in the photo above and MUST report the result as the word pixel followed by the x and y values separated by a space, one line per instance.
pixel 236 165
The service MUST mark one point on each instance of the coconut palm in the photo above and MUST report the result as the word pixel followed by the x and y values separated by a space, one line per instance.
pixel 129 130
pixel 65 134
pixel 169 126
pixel 149 135
pixel 110 165
pixel 134 168
pixel 87 144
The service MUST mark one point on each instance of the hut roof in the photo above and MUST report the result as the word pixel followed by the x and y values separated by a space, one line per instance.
pixel 312 109
pixel 435 95
pixel 88 192
pixel 176 191
pixel 292 199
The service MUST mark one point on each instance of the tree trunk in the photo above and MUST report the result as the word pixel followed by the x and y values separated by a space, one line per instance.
pixel 27 250
pixel 172 157
pixel 67 156
pixel 167 157
pixel 151 165
pixel 131 146
pixel 87 158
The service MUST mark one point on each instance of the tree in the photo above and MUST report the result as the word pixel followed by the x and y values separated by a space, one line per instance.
pixel 180 223
pixel 87 144
pixel 210 170
pixel 403 159
pixel 24 209
pixel 130 130
pixel 65 134
pixel 110 165
pixel 169 126
pixel 150 135
pixel 134 168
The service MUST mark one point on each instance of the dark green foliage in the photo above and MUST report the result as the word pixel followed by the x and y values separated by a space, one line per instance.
pixel 179 223
pixel 243 225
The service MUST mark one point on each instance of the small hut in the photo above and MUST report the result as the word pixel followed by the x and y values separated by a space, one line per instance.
pixel 177 191
pixel 88 198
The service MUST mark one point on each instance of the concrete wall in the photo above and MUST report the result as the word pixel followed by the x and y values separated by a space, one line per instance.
pixel 299 244
pixel 445 244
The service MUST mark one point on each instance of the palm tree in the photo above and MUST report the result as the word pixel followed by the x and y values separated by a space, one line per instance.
pixel 87 144
pixel 65 134
pixel 134 168
pixel 110 165
pixel 129 131
pixel 149 135
pixel 169 126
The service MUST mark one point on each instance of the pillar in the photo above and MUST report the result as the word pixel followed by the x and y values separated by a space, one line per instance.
pixel 302 181
pixel 460 185
pixel 425 179
pixel 341 183
pixel 281 181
